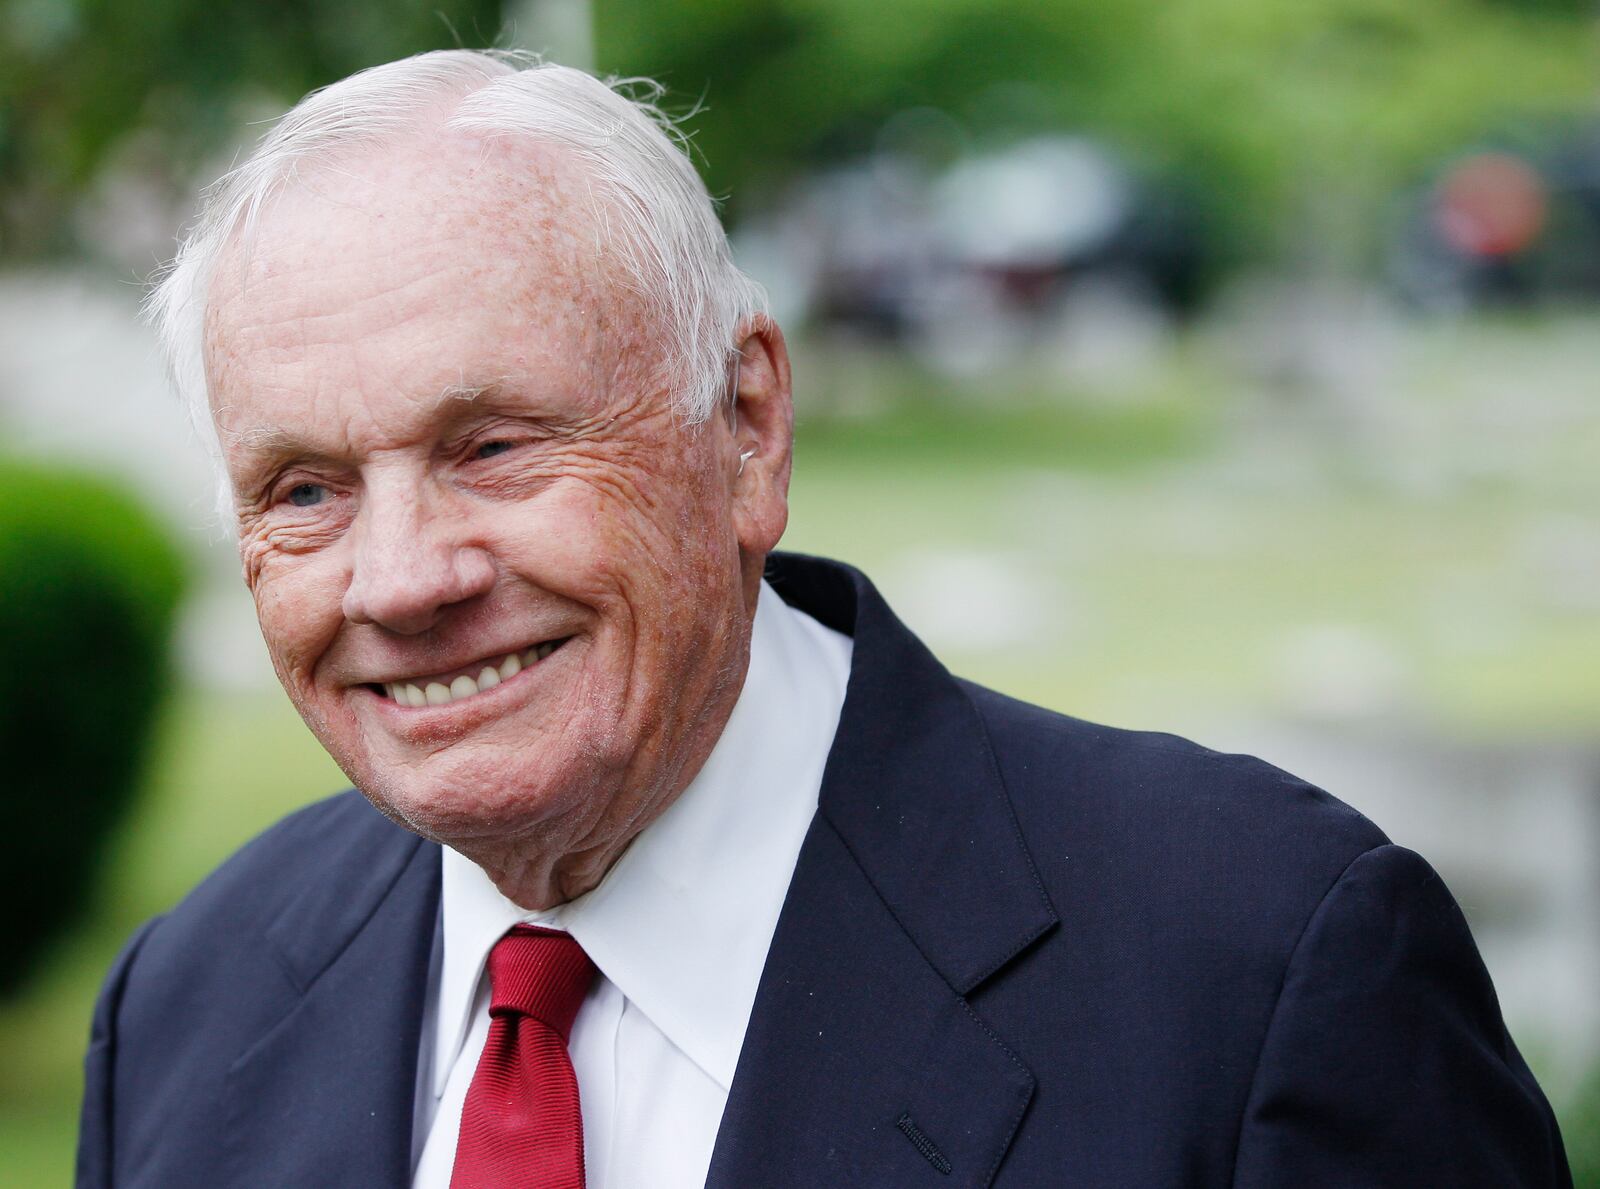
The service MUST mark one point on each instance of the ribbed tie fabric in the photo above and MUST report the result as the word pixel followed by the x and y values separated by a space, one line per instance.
pixel 520 1126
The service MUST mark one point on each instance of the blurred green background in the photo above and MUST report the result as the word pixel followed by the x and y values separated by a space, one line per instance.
pixel 1221 366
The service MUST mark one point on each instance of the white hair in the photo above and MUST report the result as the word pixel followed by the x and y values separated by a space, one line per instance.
pixel 659 222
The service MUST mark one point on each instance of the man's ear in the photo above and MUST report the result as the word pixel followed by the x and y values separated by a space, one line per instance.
pixel 763 438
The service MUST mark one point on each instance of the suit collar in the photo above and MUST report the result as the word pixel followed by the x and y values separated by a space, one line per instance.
pixel 913 789
pixel 864 1064
pixel 661 925
pixel 320 921
pixel 337 1072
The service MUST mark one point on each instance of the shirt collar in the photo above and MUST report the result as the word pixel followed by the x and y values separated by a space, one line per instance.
pixel 682 922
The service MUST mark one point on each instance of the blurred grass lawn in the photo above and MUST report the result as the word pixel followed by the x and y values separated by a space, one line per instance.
pixel 1170 556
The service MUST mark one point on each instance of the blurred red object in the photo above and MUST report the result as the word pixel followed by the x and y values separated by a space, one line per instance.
pixel 1491 205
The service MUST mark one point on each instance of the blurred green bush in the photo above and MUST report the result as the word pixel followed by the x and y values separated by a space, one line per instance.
pixel 1580 1129
pixel 89 585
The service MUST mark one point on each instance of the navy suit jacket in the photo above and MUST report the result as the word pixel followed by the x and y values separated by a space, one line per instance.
pixel 1018 949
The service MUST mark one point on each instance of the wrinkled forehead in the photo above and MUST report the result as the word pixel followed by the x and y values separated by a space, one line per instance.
pixel 434 227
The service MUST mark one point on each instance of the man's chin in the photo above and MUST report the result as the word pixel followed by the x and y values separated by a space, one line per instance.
pixel 463 814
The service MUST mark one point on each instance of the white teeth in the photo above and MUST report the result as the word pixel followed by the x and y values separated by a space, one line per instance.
pixel 437 693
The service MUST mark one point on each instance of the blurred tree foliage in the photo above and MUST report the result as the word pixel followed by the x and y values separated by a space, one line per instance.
pixel 1291 123
pixel 89 585
pixel 1288 123
pixel 80 78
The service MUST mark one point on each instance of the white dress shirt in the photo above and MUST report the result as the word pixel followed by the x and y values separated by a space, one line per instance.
pixel 679 928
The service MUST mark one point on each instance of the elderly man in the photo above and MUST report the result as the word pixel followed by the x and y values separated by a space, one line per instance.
pixel 679 863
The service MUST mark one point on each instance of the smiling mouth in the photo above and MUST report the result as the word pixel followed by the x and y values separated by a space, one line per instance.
pixel 440 689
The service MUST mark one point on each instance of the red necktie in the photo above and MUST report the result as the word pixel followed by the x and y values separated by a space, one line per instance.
pixel 520 1126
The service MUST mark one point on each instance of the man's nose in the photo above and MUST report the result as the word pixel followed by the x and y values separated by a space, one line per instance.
pixel 411 565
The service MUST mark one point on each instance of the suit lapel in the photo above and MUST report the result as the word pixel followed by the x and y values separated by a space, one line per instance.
pixel 326 1095
pixel 853 1029
pixel 863 1063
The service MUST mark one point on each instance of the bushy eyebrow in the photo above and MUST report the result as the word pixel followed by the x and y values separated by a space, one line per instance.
pixel 268 446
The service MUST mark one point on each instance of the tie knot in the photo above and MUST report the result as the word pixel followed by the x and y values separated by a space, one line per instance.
pixel 539 973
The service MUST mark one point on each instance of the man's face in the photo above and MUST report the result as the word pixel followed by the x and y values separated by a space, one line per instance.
pixel 459 482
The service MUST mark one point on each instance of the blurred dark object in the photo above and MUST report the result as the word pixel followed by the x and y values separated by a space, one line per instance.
pixel 1509 225
pixel 1291 126
pixel 88 590
pixel 895 248
pixel 147 91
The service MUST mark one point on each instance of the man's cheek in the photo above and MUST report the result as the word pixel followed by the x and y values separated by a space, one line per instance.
pixel 578 550
pixel 299 619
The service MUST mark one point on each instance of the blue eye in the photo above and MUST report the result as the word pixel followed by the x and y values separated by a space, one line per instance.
pixel 490 449
pixel 305 495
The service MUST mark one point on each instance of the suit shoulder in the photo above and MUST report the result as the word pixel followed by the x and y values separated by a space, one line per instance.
pixel 305 874
pixel 1159 798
